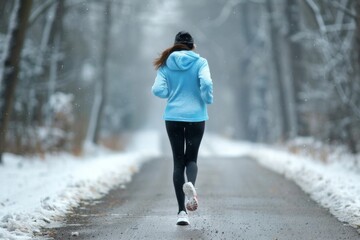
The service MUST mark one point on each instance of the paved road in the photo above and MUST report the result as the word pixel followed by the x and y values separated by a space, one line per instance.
pixel 238 200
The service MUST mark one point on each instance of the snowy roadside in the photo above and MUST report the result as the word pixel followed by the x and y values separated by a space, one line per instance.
pixel 35 192
pixel 335 186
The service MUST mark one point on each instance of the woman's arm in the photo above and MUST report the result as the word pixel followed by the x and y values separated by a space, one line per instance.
pixel 206 85
pixel 160 87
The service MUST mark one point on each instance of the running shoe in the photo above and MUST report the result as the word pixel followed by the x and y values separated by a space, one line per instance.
pixel 191 196
pixel 183 219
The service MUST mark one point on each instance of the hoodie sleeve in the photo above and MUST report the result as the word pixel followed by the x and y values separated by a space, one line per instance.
pixel 206 85
pixel 160 87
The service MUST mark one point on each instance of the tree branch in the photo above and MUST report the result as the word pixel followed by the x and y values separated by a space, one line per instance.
pixel 40 10
pixel 226 10
pixel 343 9
pixel 318 17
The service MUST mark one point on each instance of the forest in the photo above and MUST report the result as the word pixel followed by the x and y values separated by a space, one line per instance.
pixel 78 73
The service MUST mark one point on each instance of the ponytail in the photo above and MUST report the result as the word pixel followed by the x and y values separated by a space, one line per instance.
pixel 161 60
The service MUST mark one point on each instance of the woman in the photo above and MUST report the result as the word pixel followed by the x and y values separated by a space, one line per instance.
pixel 183 77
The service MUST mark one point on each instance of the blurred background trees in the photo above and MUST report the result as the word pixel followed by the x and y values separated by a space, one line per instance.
pixel 281 69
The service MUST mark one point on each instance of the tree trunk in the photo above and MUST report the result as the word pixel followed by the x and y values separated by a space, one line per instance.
pixel 242 85
pixel 291 65
pixel 103 68
pixel 92 135
pixel 5 11
pixel 55 42
pixel 278 77
pixel 297 73
pixel 358 34
pixel 355 135
pixel 16 36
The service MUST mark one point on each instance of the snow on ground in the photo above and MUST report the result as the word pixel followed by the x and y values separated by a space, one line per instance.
pixel 335 185
pixel 37 192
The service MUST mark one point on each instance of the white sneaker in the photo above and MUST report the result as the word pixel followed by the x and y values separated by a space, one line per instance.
pixel 191 196
pixel 183 219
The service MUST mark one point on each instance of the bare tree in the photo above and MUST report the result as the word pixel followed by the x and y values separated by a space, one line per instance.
pixel 93 131
pixel 10 65
pixel 333 74
pixel 357 6
pixel 55 41
pixel 292 12
pixel 278 77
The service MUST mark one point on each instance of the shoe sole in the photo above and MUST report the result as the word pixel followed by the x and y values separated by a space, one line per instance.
pixel 182 223
pixel 192 204
pixel 191 195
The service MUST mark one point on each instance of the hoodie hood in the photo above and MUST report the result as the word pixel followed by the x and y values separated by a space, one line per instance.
pixel 181 60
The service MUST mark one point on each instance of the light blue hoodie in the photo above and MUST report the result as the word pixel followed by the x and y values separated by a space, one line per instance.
pixel 186 83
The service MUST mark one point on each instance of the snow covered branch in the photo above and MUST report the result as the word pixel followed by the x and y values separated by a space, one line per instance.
pixel 225 12
pixel 344 9
pixel 40 10
pixel 227 9
pixel 318 16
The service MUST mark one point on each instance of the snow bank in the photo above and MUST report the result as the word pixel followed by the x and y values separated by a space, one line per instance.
pixel 35 192
pixel 335 185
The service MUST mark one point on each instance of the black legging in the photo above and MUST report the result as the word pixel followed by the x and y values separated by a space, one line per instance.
pixel 185 139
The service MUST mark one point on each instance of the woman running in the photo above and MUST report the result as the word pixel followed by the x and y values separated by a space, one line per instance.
pixel 183 78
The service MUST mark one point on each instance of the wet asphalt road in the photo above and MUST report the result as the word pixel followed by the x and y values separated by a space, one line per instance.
pixel 238 199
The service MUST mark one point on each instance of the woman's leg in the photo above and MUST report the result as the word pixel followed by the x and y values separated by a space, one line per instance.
pixel 194 132
pixel 176 135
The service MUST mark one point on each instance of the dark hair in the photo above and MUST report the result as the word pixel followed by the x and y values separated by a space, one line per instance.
pixel 158 62
pixel 183 41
